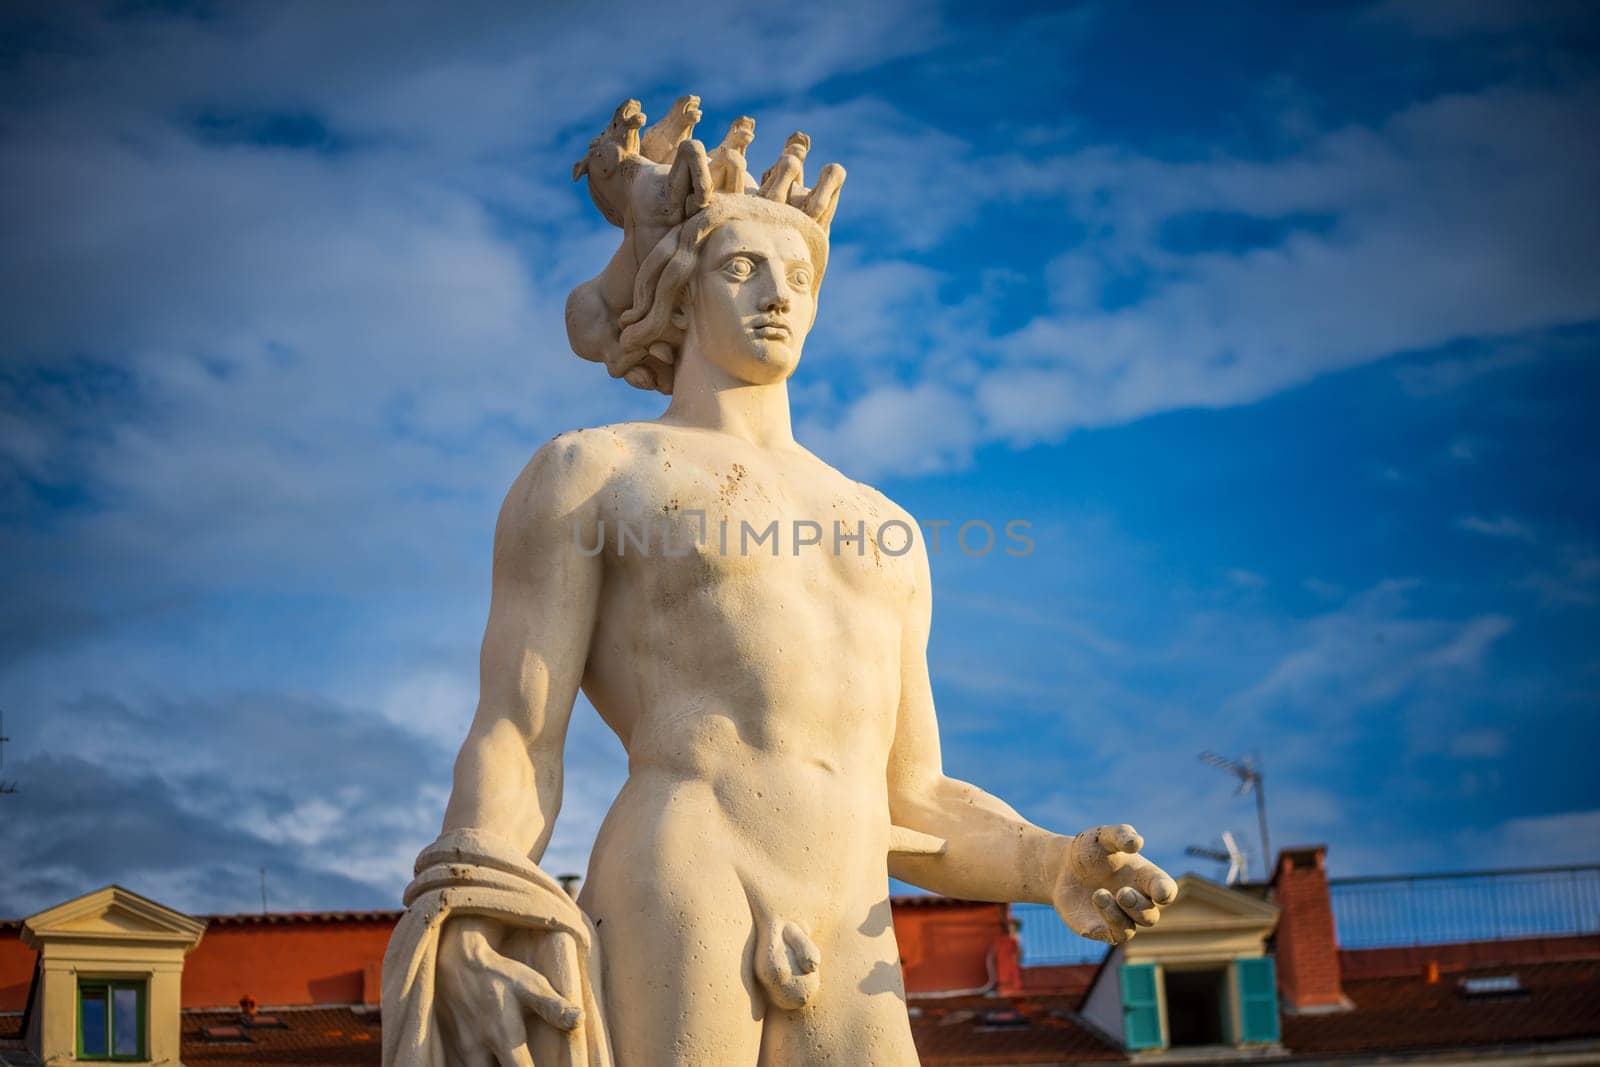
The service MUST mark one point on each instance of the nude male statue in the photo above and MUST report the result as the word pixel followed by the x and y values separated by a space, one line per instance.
pixel 777 713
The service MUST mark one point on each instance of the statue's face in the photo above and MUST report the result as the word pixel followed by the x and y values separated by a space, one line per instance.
pixel 752 300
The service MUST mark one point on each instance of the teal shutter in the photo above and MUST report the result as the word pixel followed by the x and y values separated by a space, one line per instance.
pixel 1258 1000
pixel 1141 1012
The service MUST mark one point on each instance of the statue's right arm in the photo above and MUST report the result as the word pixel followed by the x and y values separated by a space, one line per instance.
pixel 508 774
pixel 541 613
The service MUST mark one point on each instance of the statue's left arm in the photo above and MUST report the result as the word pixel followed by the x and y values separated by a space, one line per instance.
pixel 1096 880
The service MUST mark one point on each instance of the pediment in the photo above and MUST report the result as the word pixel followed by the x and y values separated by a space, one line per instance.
pixel 1203 904
pixel 112 914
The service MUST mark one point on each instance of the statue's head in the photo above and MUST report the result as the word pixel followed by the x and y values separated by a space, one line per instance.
pixel 735 284
pixel 729 277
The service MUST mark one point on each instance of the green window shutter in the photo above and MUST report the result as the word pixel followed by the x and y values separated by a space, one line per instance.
pixel 1141 1010
pixel 1258 1000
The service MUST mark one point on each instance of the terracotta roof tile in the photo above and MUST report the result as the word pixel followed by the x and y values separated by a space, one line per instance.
pixel 336 1037
pixel 283 918
pixel 1004 1030
pixel 1561 1002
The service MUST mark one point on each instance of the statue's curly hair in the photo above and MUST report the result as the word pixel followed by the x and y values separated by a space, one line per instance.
pixel 650 339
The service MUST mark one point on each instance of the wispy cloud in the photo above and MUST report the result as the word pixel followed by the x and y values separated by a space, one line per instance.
pixel 1501 526
pixel 1410 261
pixel 282 318
pixel 1573 579
pixel 1369 652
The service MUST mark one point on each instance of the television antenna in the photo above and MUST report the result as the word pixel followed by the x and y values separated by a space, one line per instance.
pixel 1248 770
pixel 5 786
pixel 1230 853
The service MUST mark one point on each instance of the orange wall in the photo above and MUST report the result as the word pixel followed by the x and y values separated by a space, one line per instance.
pixel 946 946
pixel 295 961
pixel 287 963
pixel 16 968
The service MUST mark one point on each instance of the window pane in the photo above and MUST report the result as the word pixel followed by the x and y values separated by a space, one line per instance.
pixel 92 1010
pixel 125 1021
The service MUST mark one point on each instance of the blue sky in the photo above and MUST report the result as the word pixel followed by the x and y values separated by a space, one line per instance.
pixel 1278 325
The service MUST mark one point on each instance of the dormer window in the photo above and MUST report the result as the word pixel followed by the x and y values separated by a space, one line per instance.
pixel 1184 1004
pixel 111 1019
pixel 109 978
pixel 1201 980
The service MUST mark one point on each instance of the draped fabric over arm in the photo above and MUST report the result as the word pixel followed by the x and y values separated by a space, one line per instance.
pixel 469 873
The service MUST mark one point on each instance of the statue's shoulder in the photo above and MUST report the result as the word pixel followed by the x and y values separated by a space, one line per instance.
pixel 881 502
pixel 569 468
pixel 585 460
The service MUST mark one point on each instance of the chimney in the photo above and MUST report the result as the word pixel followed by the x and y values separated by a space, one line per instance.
pixel 1007 951
pixel 1306 946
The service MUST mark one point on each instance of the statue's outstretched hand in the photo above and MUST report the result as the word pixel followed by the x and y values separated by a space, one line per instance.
pixel 489 994
pixel 1105 890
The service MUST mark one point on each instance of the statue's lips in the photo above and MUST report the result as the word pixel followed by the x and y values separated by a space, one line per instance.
pixel 768 330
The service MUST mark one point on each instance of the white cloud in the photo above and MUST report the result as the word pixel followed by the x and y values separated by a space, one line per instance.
pixel 1246 579
pixel 1484 744
pixel 435 704
pixel 888 429
pixel 1501 526
pixel 1368 652
pixel 1464 216
pixel 286 381
pixel 311 375
pixel 1572 579
pixel 1536 840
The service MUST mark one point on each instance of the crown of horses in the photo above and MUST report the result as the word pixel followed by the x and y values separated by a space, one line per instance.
pixel 648 181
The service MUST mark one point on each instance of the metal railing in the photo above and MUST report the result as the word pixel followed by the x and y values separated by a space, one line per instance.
pixel 1428 909
pixel 1397 910
pixel 1046 939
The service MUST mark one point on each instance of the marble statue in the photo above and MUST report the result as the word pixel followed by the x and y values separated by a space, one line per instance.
pixel 752 624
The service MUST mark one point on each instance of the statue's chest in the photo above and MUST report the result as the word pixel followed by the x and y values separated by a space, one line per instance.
pixel 766 528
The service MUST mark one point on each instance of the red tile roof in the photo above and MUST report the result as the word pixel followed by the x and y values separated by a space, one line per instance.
pixel 279 918
pixel 344 1037
pixel 1004 1030
pixel 966 1030
pixel 1561 1001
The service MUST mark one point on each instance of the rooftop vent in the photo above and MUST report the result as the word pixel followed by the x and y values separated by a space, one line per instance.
pixel 225 1035
pixel 1498 985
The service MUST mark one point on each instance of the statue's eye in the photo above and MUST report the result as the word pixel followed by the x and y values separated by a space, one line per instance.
pixel 740 267
pixel 800 277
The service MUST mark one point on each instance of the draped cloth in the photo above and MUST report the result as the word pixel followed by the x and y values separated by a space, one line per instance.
pixel 467 872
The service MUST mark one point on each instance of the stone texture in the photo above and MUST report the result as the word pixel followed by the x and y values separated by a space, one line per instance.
pixel 774 702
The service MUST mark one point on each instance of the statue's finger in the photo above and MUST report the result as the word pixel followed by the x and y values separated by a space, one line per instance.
pixel 1138 907
pixel 1157 885
pixel 1117 924
pixel 535 993
pixel 1120 838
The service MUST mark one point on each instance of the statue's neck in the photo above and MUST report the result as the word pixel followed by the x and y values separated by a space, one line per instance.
pixel 707 397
